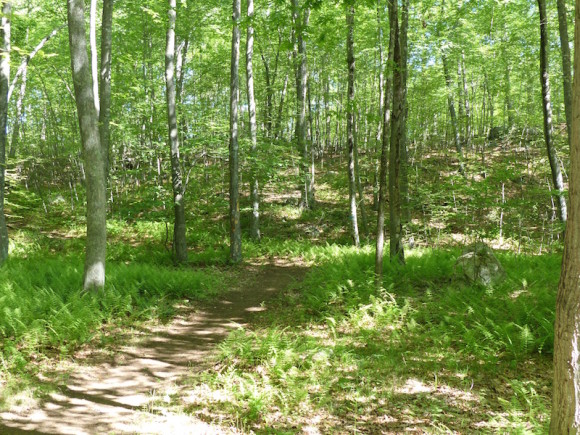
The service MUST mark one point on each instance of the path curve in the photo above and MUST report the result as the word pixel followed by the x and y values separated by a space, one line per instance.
pixel 113 396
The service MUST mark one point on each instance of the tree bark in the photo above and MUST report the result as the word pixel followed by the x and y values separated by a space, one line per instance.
pixel 466 99
pixel 254 192
pixel 179 226
pixel 5 31
pixel 300 22
pixel 94 53
pixel 381 103
pixel 452 114
pixel 547 109
pixel 96 249
pixel 359 186
pixel 105 81
pixel 235 228
pixel 566 390
pixel 395 222
pixel 405 201
pixel 508 99
pixel 278 128
pixel 384 156
pixel 350 125
pixel 566 67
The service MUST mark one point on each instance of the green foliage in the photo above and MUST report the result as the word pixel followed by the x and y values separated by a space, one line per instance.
pixel 43 309
pixel 337 345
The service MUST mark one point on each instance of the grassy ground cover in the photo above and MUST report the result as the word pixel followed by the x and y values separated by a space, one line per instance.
pixel 428 351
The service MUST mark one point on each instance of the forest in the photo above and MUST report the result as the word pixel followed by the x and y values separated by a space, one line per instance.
pixel 289 216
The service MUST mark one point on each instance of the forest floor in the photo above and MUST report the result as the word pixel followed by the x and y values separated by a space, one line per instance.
pixel 117 390
pixel 192 349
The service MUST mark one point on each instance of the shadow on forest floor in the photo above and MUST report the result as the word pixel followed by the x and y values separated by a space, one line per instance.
pixel 97 393
pixel 431 353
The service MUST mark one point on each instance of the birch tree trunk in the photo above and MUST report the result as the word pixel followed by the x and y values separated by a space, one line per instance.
pixel 96 249
pixel 4 82
pixel 22 73
pixel 179 226
pixel 547 109
pixel 235 228
pixel 566 398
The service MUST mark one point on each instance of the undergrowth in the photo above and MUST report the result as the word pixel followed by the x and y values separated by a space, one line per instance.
pixel 428 350
pixel 43 311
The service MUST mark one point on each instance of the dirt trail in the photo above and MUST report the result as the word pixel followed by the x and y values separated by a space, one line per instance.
pixel 113 396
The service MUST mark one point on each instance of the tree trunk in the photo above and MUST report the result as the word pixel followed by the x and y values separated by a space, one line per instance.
pixel 24 64
pixel 300 22
pixel 94 275
pixel 508 98
pixel 23 73
pixel 566 68
pixel 235 228
pixel 359 185
pixel 395 223
pixel 466 99
pixel 565 398
pixel 19 118
pixel 405 201
pixel 384 158
pixel 350 125
pixel 381 102
pixel 452 114
pixel 547 109
pixel 179 226
pixel 254 192
pixel 278 128
pixel 105 81
pixel 4 81
pixel 94 53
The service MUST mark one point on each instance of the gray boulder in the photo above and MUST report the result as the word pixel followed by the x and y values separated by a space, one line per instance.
pixel 479 264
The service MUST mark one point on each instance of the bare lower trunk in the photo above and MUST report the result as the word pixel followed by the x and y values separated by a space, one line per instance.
pixel 179 227
pixel 94 276
pixel 395 222
pixel 359 185
pixel 566 387
pixel 350 126
pixel 384 161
